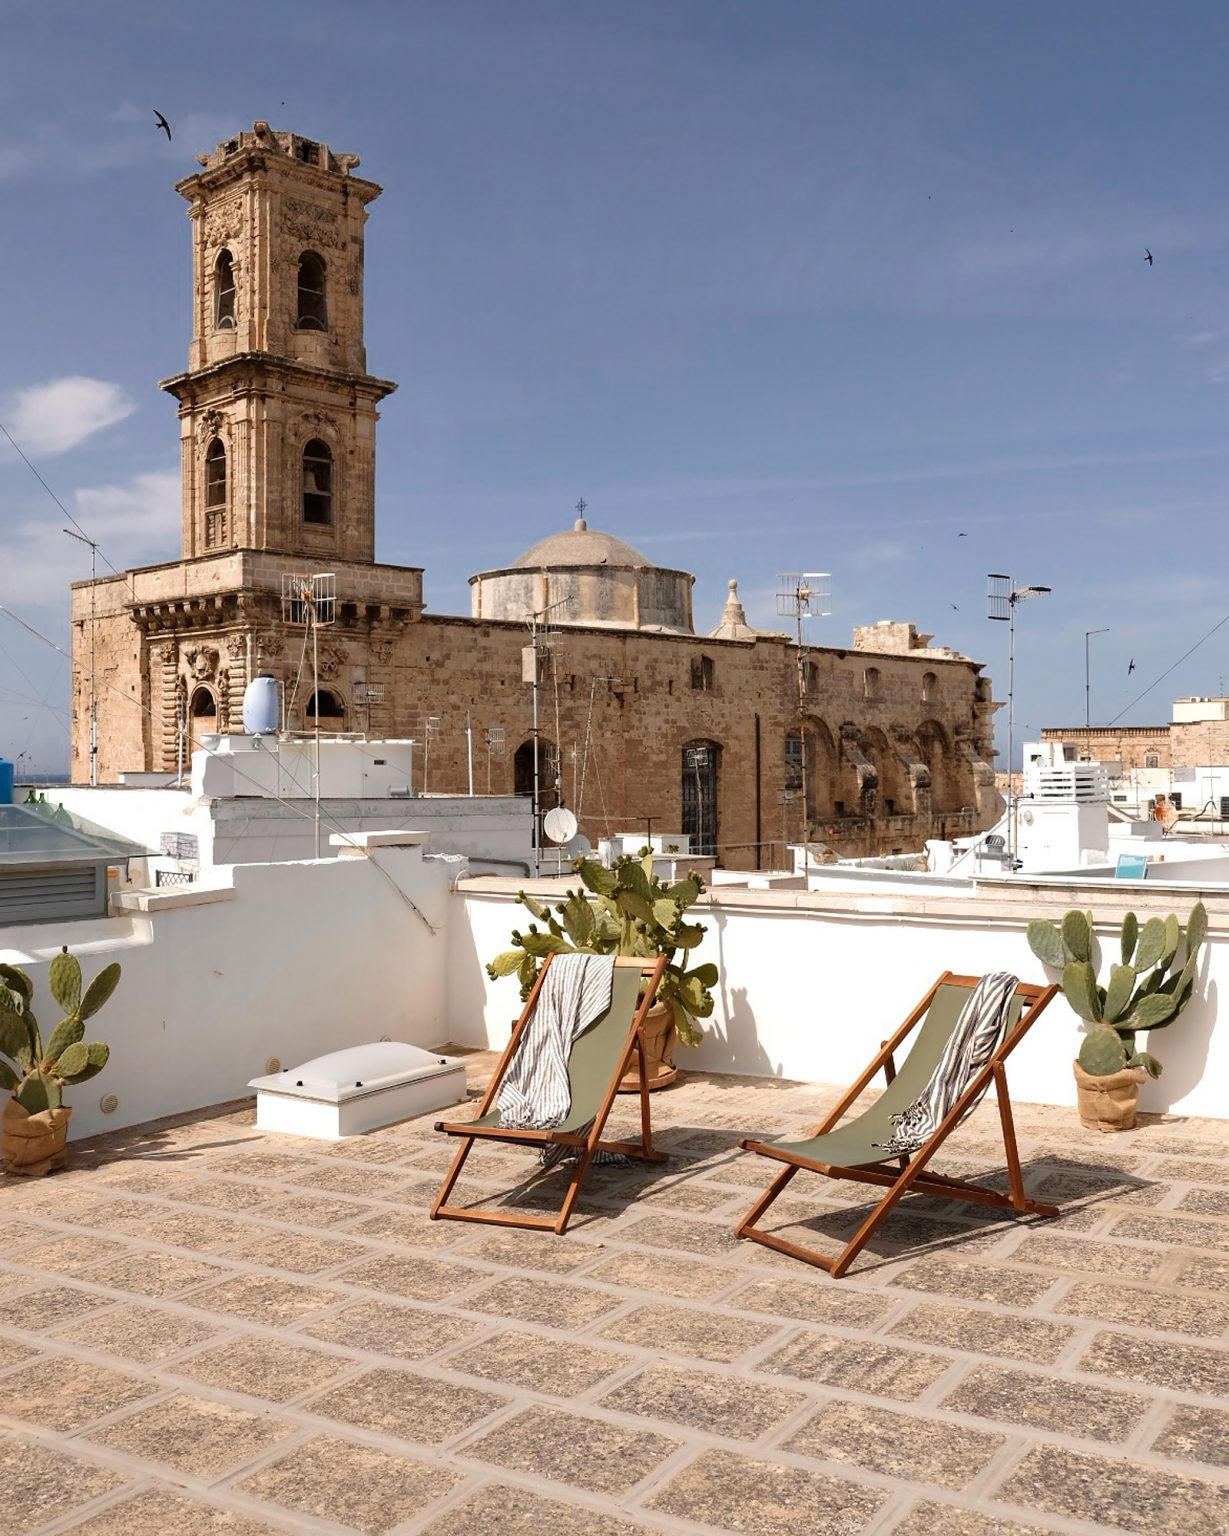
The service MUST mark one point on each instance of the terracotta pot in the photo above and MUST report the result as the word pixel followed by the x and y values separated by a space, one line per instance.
pixel 33 1144
pixel 658 1052
pixel 1108 1103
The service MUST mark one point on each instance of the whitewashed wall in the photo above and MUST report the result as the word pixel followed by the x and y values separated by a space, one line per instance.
pixel 811 984
pixel 286 961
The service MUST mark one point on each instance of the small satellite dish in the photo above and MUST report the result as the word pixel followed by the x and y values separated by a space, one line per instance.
pixel 559 824
pixel 578 847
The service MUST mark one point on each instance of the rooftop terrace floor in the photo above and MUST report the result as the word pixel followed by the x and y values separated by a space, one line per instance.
pixel 207 1329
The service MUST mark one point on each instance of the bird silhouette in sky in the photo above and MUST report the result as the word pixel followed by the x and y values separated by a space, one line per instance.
pixel 954 608
pixel 1131 666
pixel 1147 255
pixel 962 535
pixel 163 124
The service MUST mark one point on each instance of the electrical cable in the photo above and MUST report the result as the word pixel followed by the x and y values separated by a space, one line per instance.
pixel 54 497
pixel 1168 670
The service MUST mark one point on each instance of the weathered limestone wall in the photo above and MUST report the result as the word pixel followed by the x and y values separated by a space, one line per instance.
pixel 1129 745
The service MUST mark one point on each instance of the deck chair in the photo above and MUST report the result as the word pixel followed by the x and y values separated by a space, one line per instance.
pixel 600 1056
pixel 855 1151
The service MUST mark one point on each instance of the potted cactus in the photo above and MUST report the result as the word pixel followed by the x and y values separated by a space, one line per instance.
pixel 1147 992
pixel 34 1125
pixel 627 911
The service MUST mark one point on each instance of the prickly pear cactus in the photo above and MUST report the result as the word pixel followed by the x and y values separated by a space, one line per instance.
pixel 1102 1053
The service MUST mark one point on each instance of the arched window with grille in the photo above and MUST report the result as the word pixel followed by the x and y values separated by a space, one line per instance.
pixel 317 482
pixel 224 291
pixel 312 307
pixel 215 494
pixel 1152 759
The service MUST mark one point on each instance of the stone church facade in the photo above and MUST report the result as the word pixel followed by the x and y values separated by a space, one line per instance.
pixel 639 719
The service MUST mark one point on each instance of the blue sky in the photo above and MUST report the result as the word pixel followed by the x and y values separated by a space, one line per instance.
pixel 774 286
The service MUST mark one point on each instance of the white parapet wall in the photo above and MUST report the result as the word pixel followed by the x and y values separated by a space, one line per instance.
pixel 282 962
pixel 812 982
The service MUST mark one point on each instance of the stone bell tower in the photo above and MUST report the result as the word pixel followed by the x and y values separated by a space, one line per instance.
pixel 277 411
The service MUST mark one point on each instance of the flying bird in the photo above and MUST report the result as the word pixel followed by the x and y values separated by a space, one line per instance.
pixel 163 124
pixel 1131 666
pixel 1147 255
pixel 962 535
pixel 954 608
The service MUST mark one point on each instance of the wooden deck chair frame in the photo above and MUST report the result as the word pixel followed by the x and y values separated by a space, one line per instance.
pixel 587 1145
pixel 908 1177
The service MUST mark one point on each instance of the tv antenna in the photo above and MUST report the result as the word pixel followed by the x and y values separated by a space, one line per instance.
pixel 494 741
pixel 309 602
pixel 540 637
pixel 801 597
pixel 1004 597
pixel 81 539
pixel 427 730
pixel 367 694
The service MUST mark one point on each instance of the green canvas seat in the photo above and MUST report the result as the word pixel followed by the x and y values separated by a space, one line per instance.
pixel 856 1150
pixel 600 1055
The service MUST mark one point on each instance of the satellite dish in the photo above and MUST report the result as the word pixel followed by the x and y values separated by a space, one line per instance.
pixel 559 825
pixel 578 848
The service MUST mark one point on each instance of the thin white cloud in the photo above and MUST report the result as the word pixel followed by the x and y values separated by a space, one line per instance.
pixel 136 523
pixel 51 418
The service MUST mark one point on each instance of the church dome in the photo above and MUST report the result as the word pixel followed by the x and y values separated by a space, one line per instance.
pixel 581 545
pixel 584 576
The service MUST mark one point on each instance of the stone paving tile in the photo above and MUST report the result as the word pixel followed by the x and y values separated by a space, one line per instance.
pixel 663 1273
pixel 11 1352
pixel 193 1435
pixel 159 1512
pixel 1205 1202
pixel 264 1165
pixel 417 1279
pixel 721 1405
pixel 1205 1273
pixel 43 1307
pixel 1174 1231
pixel 310 1210
pixel 155 1274
pixel 1117 1495
pixel 550 1302
pixel 1051 1250
pixel 275 1369
pixel 689 1331
pixel 1195 1434
pixel 300 1255
pixel 1180 1367
pixel 706 1239
pixel 883 1370
pixel 895 1444
pixel 842 1306
pixel 542 1364
pixel 42 1484
pixel 68 1252
pixel 1198 1172
pixel 530 1250
pixel 1019 1338
pixel 412 1229
pixel 761 1498
pixel 973 1282
pixel 351 1179
pixel 1047 1402
pixel 405 1404
pixel 219 1194
pixel 361 1486
pixel 135 1332
pixel 267 1299
pixel 388 1328
pixel 67 1396
pixel 927 1519
pixel 514 1512
pixel 565 1448
pixel 1170 1310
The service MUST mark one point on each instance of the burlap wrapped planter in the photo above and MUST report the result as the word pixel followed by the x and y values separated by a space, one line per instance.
pixel 34 1144
pixel 1108 1103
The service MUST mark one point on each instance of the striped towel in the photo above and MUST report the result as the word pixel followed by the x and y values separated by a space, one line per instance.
pixel 535 1094
pixel 975 1036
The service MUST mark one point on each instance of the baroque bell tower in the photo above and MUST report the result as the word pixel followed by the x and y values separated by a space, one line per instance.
pixel 277 410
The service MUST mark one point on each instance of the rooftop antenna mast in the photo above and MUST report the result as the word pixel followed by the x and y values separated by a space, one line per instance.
pixel 310 602
pixel 531 672
pixel 800 597
pixel 81 539
pixel 1003 597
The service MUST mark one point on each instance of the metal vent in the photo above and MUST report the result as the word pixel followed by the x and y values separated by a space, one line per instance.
pixel 44 896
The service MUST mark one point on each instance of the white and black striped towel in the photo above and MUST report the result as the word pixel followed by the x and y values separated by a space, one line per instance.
pixel 975 1036
pixel 535 1094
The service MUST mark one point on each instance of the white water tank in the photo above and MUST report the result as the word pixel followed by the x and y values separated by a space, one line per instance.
pixel 260 706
